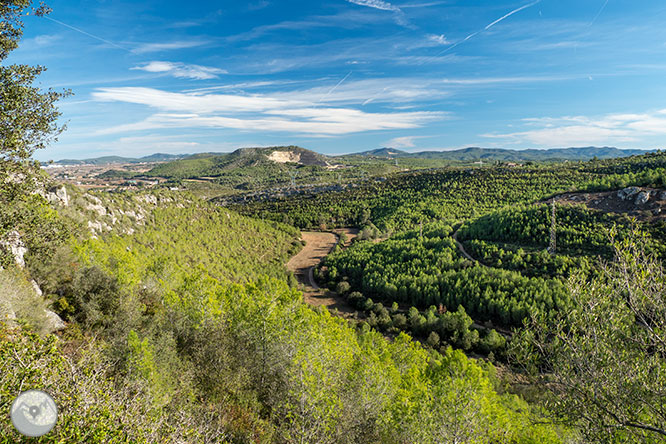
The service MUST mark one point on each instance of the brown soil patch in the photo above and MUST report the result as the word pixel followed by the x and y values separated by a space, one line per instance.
pixel 317 246
pixel 609 202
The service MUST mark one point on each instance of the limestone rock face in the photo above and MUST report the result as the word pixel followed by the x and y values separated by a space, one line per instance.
pixel 95 204
pixel 35 286
pixel 53 322
pixel 58 195
pixel 149 199
pixel 16 246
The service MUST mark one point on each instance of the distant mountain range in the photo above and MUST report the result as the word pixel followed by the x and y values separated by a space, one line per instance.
pixel 492 154
pixel 308 157
pixel 107 160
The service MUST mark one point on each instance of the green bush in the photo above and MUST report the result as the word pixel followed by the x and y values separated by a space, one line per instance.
pixel 19 300
pixel 356 299
pixel 342 288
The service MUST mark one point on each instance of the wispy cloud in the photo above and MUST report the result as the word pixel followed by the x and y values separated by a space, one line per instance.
pixel 182 70
pixel 255 6
pixel 438 39
pixel 402 142
pixel 423 5
pixel 490 25
pixel 158 47
pixel 377 4
pixel 582 130
pixel 254 113
pixel 398 14
pixel 517 79
pixel 41 41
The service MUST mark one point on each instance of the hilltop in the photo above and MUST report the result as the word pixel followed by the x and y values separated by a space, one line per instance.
pixel 273 160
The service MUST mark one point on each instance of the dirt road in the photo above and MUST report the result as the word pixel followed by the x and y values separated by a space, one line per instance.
pixel 317 246
pixel 461 248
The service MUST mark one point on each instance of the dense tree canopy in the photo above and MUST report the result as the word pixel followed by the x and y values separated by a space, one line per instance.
pixel 28 116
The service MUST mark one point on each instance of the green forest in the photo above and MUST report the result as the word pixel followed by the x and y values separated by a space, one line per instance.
pixel 405 200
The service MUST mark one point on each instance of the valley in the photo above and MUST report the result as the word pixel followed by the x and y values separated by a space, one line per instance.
pixel 449 263
pixel 364 222
pixel 317 246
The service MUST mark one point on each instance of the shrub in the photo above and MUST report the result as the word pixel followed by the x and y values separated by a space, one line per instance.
pixel 400 321
pixel 356 299
pixel 433 339
pixel 19 299
pixel 343 288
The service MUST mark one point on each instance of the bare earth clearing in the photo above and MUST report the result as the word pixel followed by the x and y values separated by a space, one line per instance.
pixel 608 201
pixel 317 246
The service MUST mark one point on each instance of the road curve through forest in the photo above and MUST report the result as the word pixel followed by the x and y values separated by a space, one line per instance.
pixel 318 245
pixel 461 248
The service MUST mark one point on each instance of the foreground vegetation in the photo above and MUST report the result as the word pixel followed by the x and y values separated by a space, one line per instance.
pixel 261 364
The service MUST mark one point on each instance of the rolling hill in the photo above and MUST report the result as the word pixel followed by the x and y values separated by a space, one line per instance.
pixel 500 154
pixel 106 160
pixel 273 160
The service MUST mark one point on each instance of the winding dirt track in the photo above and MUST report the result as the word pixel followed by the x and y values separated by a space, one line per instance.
pixel 317 246
pixel 461 248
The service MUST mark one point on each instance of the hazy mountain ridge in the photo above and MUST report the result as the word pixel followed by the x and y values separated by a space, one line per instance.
pixel 309 157
pixel 503 154
pixel 105 160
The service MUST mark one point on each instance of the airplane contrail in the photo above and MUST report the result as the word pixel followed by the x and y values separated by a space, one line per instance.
pixel 599 13
pixel 334 88
pixel 511 13
pixel 504 17
pixel 86 33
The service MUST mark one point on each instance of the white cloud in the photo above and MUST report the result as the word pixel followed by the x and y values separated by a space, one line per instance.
pixel 42 40
pixel 158 47
pixel 254 113
pixel 582 130
pixel 377 4
pixel 438 39
pixel 517 79
pixel 193 103
pixel 402 142
pixel 182 70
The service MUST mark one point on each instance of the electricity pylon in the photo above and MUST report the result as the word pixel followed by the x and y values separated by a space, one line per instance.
pixel 553 234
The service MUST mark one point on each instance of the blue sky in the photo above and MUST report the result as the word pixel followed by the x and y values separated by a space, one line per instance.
pixel 340 76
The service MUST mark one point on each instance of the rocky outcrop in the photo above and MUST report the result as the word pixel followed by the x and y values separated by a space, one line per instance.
pixel 628 193
pixel 95 204
pixel 58 195
pixel 16 247
pixel 35 286
pixel 53 322
pixel 642 198
pixel 148 198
